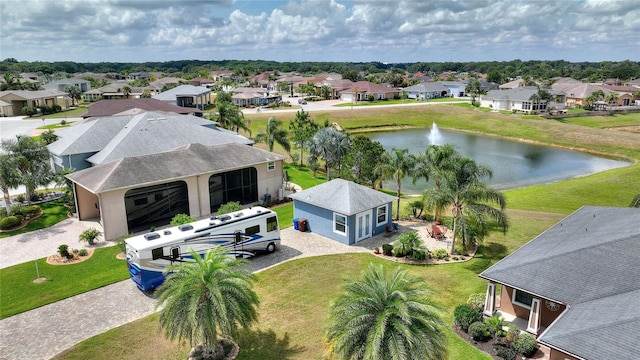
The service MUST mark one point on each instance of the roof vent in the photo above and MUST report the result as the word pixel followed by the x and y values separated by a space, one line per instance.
pixel 167 232
pixel 152 236
pixel 224 217
pixel 185 227
pixel 238 215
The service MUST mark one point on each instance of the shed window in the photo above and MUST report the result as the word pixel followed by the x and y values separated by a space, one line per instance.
pixel 381 215
pixel 522 298
pixel 271 165
pixel 340 224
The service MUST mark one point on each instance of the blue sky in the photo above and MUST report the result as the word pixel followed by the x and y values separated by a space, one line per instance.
pixel 320 30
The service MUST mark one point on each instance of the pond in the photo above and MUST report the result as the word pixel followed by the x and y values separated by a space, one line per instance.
pixel 514 164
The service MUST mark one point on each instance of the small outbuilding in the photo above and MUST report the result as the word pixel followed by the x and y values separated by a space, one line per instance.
pixel 343 210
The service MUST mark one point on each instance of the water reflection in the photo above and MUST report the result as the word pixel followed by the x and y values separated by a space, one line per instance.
pixel 514 164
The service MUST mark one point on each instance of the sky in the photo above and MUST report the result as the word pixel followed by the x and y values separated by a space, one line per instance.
pixel 320 30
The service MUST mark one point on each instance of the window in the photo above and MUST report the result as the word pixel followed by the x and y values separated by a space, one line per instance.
pixel 272 224
pixel 340 224
pixel 522 298
pixel 381 213
pixel 140 201
pixel 252 230
pixel 271 165
pixel 157 253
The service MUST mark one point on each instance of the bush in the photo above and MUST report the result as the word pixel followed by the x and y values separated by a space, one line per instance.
pixel 387 249
pixel 494 325
pixel 441 254
pixel 56 108
pixel 460 250
pixel 511 334
pixel 407 243
pixel 29 111
pixel 3 212
pixel 17 209
pixel 182 219
pixel 464 315
pixel 90 235
pixel 229 207
pixel 121 243
pixel 525 344
pixel 476 301
pixel 83 252
pixel 419 255
pixel 63 250
pixel 31 210
pixel 63 122
pixel 9 222
pixel 479 331
pixel 506 353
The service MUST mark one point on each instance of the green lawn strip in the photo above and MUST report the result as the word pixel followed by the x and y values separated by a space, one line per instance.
pixel 603 122
pixel 53 213
pixel 304 177
pixel 77 112
pixel 55 126
pixel 285 215
pixel 18 292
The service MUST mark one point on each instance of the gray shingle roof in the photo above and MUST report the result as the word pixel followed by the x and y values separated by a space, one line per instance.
pixel 185 161
pixel 345 197
pixel 91 136
pixel 182 90
pixel 589 261
pixel 522 93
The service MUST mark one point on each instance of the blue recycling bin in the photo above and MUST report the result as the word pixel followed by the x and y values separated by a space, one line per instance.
pixel 295 224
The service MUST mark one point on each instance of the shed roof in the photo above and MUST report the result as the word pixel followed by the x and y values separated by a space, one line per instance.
pixel 345 197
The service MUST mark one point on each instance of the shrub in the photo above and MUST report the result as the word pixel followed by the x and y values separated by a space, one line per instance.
pixel 90 235
pixel 20 218
pixel 229 207
pixel 20 198
pixel 525 344
pixel 31 210
pixel 63 122
pixel 407 243
pixel 476 301
pixel 479 331
pixel 29 111
pixel 419 255
pixel 371 97
pixel 387 249
pixel 17 209
pixel 460 250
pixel 511 334
pixel 441 254
pixel 9 222
pixel 3 212
pixel 121 243
pixel 56 108
pixel 83 252
pixel 464 315
pixel 182 219
pixel 494 325
pixel 63 250
pixel 506 353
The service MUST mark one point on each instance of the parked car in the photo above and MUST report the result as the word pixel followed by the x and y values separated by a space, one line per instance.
pixel 302 101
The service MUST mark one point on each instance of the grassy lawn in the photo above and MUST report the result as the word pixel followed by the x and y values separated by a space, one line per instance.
pixel 295 295
pixel 56 126
pixel 19 293
pixel 77 112
pixel 53 213
pixel 400 101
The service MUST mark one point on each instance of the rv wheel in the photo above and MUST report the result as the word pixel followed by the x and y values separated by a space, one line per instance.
pixel 271 247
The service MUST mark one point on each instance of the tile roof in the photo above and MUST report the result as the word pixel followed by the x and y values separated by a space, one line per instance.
pixel 345 197
pixel 589 261
pixel 185 161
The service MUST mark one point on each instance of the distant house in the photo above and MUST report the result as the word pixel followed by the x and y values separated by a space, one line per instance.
pixel 343 210
pixel 113 107
pixel 360 91
pixel 134 193
pixel 117 90
pixel 21 98
pixel 576 92
pixel 575 286
pixel 139 75
pixel 187 96
pixel 61 85
pixel 518 99
pixel 105 139
pixel 427 90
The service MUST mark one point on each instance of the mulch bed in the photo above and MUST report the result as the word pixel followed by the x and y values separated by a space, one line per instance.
pixel 24 223
pixel 490 345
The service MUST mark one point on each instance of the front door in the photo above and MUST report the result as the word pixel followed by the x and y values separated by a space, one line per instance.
pixel 363 225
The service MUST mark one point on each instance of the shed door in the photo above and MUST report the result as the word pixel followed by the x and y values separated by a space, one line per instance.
pixel 363 225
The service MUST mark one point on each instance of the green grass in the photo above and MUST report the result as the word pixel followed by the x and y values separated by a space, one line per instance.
pixel 285 215
pixel 303 176
pixel 401 101
pixel 77 112
pixel 53 213
pixel 55 126
pixel 19 293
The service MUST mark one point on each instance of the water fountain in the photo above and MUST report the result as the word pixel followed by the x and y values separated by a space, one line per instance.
pixel 435 138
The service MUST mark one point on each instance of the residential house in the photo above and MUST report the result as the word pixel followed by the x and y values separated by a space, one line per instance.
pixel 116 90
pixel 512 84
pixel 222 75
pixel 113 107
pixel 625 94
pixel 105 139
pixel 61 85
pixel 518 99
pixel 139 75
pixel 250 97
pixel 187 96
pixel 427 90
pixel 577 92
pixel 208 83
pixel 456 88
pixel 133 193
pixel 575 285
pixel 343 210
pixel 21 98
pixel 337 86
pixel 5 108
pixel 360 91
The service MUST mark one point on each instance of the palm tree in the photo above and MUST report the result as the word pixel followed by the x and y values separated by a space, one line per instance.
pixel 9 179
pixel 385 317
pixel 612 98
pixel 395 165
pixel 206 298
pixel 126 91
pixel 470 200
pixel 274 134
pixel 435 163
pixel 31 159
pixel 330 145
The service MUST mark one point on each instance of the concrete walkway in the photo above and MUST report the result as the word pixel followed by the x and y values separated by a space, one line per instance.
pixel 46 331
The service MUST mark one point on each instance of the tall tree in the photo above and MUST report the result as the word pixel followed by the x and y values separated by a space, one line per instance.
pixel 31 158
pixel 385 317
pixel 274 134
pixel 473 89
pixel 211 296
pixel 434 164
pixel 302 129
pixel 611 98
pixel 74 92
pixel 361 160
pixel 10 178
pixel 395 165
pixel 470 200
pixel 330 145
